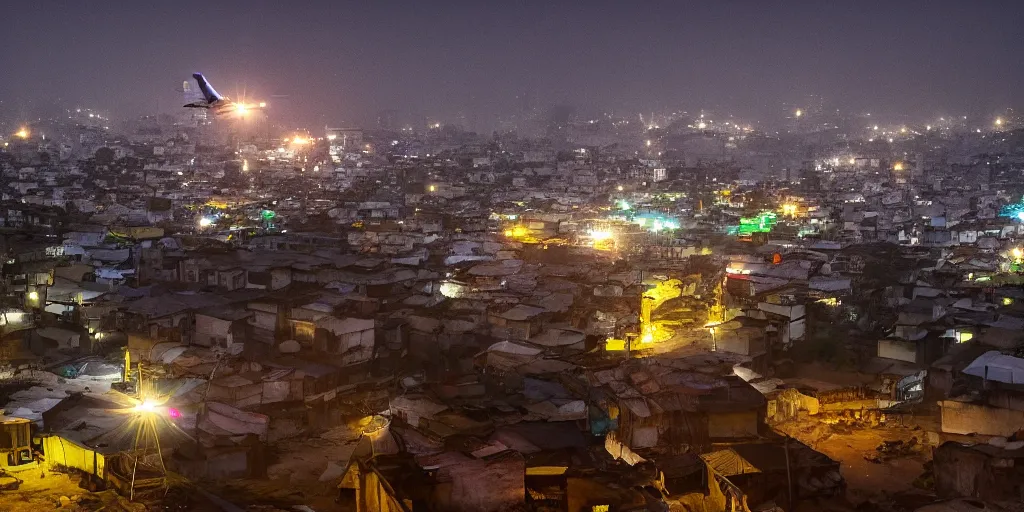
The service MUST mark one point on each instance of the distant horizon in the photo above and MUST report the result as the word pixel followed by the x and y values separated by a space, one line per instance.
pixel 342 63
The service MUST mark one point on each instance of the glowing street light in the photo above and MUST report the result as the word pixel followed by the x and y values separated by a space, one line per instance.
pixel 263 104
pixel 799 112
pixel 999 121
pixel 145 406
pixel 711 326
pixel 205 222
pixel 33 295
pixel 23 133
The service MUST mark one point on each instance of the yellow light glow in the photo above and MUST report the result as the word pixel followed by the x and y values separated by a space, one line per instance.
pixel 1017 252
pixel 853 161
pixel 263 104
pixel 929 127
pixel 23 133
pixel 1007 301
pixel 701 125
pixel 241 109
pixel 33 295
pixel 799 112
pixel 298 140
pixel 898 166
pixel 999 122
pixel 432 188
pixel 619 188
pixel 245 165
pixel 508 232
pixel 789 209
pixel 614 345
pixel 600 235
pixel 332 137
pixel 205 222
pixel 146 405
pixel 903 130
pixel 648 142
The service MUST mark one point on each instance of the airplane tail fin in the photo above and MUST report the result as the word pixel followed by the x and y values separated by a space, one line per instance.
pixel 208 92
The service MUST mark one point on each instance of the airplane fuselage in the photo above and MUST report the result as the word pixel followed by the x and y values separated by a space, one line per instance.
pixel 213 101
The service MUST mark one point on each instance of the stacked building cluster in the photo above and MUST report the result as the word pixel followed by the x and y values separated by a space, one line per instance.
pixel 609 315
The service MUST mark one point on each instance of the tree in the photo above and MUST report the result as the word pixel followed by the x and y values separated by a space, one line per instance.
pixel 104 156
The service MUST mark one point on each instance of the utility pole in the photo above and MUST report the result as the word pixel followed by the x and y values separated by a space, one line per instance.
pixel 789 476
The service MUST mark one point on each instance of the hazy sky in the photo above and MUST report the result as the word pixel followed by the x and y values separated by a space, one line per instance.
pixel 340 62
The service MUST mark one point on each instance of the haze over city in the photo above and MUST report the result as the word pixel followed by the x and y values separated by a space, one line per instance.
pixel 444 59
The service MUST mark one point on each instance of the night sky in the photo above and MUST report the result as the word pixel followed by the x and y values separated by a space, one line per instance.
pixel 340 62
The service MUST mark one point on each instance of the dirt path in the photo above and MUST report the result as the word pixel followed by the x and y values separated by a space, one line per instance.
pixel 864 478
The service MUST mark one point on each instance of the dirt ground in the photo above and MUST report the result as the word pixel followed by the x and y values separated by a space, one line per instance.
pixel 43 490
pixel 864 478
pixel 870 475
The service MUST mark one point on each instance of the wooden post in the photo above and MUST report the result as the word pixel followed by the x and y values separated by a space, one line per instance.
pixel 789 476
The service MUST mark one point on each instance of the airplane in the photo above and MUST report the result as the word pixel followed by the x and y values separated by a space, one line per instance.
pixel 220 105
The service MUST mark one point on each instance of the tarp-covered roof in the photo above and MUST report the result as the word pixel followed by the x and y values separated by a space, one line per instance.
pixel 993 365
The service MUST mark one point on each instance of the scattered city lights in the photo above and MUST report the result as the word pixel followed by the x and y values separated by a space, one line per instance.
pixel 463 255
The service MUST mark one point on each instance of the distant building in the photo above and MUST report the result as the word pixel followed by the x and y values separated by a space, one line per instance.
pixel 344 139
